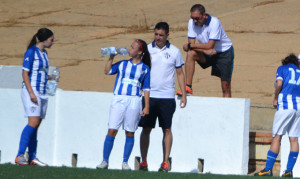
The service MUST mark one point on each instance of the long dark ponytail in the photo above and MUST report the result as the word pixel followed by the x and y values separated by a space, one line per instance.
pixel 41 35
pixel 146 55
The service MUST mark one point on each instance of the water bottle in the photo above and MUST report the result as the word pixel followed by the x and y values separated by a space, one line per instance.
pixel 52 84
pixel 109 51
pixel 122 51
pixel 114 51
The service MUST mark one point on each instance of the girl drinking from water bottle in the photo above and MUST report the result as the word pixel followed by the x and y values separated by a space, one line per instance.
pixel 133 77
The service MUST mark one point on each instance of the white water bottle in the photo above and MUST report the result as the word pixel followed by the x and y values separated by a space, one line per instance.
pixel 114 51
pixel 122 51
pixel 52 84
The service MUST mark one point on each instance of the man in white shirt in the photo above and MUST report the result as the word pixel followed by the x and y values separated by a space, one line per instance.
pixel 214 49
pixel 165 60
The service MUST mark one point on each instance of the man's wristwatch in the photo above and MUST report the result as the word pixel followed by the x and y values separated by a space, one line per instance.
pixel 189 46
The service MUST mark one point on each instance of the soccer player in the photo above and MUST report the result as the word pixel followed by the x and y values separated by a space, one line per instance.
pixel 34 97
pixel 287 117
pixel 214 49
pixel 165 60
pixel 133 76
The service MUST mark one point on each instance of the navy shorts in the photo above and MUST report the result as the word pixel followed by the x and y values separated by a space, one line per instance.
pixel 160 108
pixel 221 63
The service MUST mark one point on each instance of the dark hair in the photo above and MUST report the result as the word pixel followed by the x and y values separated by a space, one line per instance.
pixel 162 25
pixel 290 59
pixel 41 35
pixel 198 7
pixel 146 55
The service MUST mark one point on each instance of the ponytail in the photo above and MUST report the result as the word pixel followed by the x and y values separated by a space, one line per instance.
pixel 146 55
pixel 41 35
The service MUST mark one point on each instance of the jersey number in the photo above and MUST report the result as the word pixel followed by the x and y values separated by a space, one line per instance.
pixel 293 76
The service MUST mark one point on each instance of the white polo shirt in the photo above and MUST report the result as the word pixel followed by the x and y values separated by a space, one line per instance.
pixel 211 30
pixel 162 74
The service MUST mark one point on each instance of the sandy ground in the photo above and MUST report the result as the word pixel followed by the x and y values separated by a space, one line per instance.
pixel 262 31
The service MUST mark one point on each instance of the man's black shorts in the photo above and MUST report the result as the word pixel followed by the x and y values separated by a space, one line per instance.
pixel 221 63
pixel 160 108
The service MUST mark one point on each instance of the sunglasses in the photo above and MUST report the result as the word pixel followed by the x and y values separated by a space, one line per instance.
pixel 196 18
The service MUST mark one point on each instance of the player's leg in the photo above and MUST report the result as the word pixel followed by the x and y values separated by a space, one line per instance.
pixel 115 120
pixel 147 122
pixel 226 88
pixel 166 110
pixel 167 143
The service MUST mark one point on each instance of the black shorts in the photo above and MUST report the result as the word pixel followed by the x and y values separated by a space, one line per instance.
pixel 161 108
pixel 221 63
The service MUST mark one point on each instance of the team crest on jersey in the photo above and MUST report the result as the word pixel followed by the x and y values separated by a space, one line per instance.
pixel 167 55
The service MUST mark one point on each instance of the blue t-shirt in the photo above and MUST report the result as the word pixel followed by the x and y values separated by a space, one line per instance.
pixel 289 96
pixel 131 78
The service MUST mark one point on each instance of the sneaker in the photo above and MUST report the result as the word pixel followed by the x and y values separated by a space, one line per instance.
pixel 143 166
pixel 102 165
pixel 37 162
pixel 287 174
pixel 20 160
pixel 164 167
pixel 189 91
pixel 125 166
pixel 264 173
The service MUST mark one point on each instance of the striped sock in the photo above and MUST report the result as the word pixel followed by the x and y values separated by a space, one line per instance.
pixel 271 158
pixel 292 160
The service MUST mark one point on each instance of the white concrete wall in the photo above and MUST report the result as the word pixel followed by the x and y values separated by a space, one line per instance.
pixel 214 129
pixel 285 151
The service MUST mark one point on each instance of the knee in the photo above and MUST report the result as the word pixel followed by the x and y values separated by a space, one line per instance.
pixel 129 134
pixel 167 131
pixel 146 131
pixel 293 140
pixel 112 132
pixel 191 56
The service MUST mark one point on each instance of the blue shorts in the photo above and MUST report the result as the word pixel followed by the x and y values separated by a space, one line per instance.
pixel 163 109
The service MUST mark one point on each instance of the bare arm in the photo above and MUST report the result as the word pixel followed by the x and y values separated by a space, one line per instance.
pixel 181 82
pixel 277 91
pixel 207 48
pixel 25 75
pixel 109 64
pixel 147 106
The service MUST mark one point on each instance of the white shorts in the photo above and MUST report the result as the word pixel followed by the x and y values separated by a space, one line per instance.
pixel 287 121
pixel 31 108
pixel 125 110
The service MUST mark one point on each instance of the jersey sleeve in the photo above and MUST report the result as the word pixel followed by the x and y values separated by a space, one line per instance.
pixel 191 32
pixel 179 60
pixel 114 68
pixel 28 60
pixel 146 83
pixel 216 30
pixel 279 73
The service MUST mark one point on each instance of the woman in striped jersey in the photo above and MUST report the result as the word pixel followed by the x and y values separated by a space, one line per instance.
pixel 133 77
pixel 34 97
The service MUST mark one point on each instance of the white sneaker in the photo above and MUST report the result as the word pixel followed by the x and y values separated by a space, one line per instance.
pixel 37 162
pixel 102 165
pixel 125 166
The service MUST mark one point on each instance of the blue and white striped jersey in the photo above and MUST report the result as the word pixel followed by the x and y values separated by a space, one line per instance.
pixel 289 96
pixel 37 64
pixel 131 78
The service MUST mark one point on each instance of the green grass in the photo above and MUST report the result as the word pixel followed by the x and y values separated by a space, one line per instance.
pixel 14 171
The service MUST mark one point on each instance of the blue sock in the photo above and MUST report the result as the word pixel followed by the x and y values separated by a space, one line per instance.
pixel 128 148
pixel 292 160
pixel 32 146
pixel 108 145
pixel 25 138
pixel 271 158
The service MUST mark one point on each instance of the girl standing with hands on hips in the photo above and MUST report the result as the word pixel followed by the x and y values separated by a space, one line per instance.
pixel 34 97
pixel 133 77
